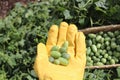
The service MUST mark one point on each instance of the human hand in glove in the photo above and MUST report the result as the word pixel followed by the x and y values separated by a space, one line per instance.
pixel 77 50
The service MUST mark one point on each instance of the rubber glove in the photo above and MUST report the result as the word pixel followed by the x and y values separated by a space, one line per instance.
pixel 77 50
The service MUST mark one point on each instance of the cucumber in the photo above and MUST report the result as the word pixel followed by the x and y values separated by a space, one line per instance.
pixel 91 35
pixel 112 61
pixel 59 56
pixel 118 48
pixel 108 48
pixel 65 44
pixel 113 39
pixel 89 42
pixel 105 35
pixel 103 60
pixel 88 58
pixel 63 61
pixel 66 56
pixel 101 33
pixel 89 64
pixel 98 45
pixel 55 48
pixel 97 54
pixel 113 45
pixel 107 38
pixel 98 38
pixel 99 64
pixel 103 47
pixel 94 48
pixel 107 43
pixel 51 59
pixel 110 34
pixel 106 55
pixel 63 50
pixel 55 54
pixel 88 50
pixel 57 61
pixel 100 57
pixel 116 33
pixel 109 57
pixel 94 57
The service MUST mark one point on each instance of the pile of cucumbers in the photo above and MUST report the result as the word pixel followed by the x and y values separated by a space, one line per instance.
pixel 103 48
pixel 59 56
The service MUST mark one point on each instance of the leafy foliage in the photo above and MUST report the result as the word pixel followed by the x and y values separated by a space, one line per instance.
pixel 102 74
pixel 87 13
pixel 20 32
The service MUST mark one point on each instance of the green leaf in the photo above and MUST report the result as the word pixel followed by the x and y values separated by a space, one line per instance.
pixel 100 9
pixel 79 0
pixel 101 3
pixel 29 77
pixel 82 21
pixel 32 72
pixel 67 14
pixel 118 71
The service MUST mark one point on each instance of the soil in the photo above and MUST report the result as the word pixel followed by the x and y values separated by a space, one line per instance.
pixel 6 5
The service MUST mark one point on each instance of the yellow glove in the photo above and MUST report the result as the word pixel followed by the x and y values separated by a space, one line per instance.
pixel 77 50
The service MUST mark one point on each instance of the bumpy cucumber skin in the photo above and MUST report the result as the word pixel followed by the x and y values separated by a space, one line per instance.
pixel 103 48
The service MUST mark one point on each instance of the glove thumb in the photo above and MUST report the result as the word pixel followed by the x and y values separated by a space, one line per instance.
pixel 41 58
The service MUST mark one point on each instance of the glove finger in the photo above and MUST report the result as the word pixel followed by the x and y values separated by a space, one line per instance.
pixel 72 30
pixel 81 47
pixel 62 33
pixel 52 37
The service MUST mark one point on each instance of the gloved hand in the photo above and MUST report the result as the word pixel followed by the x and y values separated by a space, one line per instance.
pixel 77 50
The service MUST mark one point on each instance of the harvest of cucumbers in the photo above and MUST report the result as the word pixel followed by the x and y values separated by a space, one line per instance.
pixel 59 56
pixel 103 48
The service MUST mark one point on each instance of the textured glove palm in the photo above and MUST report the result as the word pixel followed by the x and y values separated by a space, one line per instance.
pixel 77 50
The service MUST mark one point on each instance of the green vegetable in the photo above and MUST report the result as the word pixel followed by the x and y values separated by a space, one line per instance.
pixel 57 61
pixel 88 50
pixel 116 32
pixel 63 50
pixel 103 47
pixel 55 48
pixel 109 57
pixel 65 44
pixel 97 54
pixel 60 56
pixel 88 58
pixel 108 48
pixel 94 48
pixel 55 54
pixel 63 61
pixel 113 45
pixel 99 64
pixel 89 64
pixel 98 45
pixel 98 38
pixel 66 56
pixel 105 55
pixel 110 34
pixel 112 61
pixel 103 60
pixel 107 39
pixel 107 43
pixel 89 42
pixel 51 59
pixel 118 48
pixel 91 35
